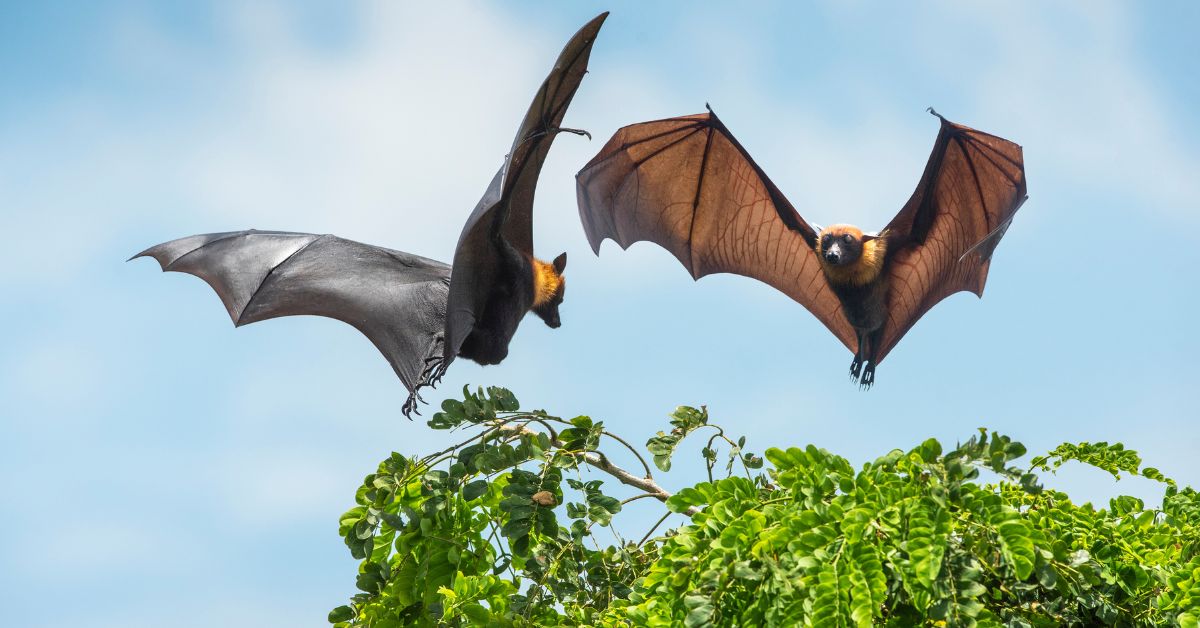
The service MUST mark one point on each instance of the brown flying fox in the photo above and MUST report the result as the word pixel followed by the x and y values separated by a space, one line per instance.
pixel 688 185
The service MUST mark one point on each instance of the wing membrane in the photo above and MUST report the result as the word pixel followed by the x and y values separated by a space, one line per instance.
pixel 687 185
pixel 507 204
pixel 944 236
pixel 397 300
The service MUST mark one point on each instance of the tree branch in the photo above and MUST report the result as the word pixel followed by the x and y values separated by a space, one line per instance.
pixel 601 462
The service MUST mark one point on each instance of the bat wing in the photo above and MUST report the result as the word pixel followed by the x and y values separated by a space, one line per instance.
pixel 507 205
pixel 942 241
pixel 396 299
pixel 687 185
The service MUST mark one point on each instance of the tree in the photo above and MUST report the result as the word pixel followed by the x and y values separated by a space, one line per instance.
pixel 498 530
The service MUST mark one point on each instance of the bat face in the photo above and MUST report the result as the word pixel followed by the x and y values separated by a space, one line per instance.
pixel 548 311
pixel 551 287
pixel 840 245
pixel 850 257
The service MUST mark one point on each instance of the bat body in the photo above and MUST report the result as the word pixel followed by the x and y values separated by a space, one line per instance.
pixel 688 185
pixel 420 313
pixel 495 275
pixel 523 284
pixel 855 266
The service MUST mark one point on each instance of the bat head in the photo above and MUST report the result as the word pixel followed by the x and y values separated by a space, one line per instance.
pixel 850 256
pixel 841 245
pixel 549 288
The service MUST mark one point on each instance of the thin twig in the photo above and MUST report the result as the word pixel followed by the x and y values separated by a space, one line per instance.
pixel 637 497
pixel 601 462
pixel 631 448
pixel 653 528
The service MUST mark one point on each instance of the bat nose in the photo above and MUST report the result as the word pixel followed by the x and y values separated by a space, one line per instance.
pixel 832 257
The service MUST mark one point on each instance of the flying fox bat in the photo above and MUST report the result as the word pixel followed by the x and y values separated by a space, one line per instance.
pixel 420 313
pixel 689 186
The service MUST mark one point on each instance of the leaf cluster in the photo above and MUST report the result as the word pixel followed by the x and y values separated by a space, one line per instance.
pixel 498 530
pixel 492 531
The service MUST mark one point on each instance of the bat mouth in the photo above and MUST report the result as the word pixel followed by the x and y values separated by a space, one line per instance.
pixel 833 258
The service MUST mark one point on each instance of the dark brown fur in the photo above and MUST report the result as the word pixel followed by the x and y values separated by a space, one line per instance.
pixel 522 287
pixel 855 265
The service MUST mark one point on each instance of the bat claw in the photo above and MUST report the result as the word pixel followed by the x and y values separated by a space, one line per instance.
pixel 868 377
pixel 435 367
pixel 855 368
pixel 575 131
pixel 410 407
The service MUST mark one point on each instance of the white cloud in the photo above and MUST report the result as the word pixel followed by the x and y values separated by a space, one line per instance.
pixel 392 140
pixel 1082 92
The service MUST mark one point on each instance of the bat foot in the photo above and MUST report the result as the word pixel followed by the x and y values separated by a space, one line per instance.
pixel 435 368
pixel 855 368
pixel 868 377
pixel 410 407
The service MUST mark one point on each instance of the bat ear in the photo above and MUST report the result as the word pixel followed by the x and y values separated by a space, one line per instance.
pixel 560 263
pixel 866 237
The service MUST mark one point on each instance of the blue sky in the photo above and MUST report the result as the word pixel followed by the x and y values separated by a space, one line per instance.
pixel 159 467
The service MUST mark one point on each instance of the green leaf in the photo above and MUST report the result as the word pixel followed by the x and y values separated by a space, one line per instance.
pixel 1015 543
pixel 340 614
pixel 663 462
pixel 477 614
pixel 699 611
pixel 369 582
pixel 474 490
pixel 928 532
pixel 745 571
pixel 829 602
pixel 516 528
pixel 453 409
pixel 504 399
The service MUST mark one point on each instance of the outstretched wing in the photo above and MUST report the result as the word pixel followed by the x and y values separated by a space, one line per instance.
pixel 687 185
pixel 942 241
pixel 507 205
pixel 396 299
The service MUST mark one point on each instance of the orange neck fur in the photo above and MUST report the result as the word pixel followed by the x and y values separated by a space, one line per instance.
pixel 545 282
pixel 864 270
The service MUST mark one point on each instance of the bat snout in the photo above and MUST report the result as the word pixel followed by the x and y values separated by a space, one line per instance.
pixel 833 256
pixel 550 318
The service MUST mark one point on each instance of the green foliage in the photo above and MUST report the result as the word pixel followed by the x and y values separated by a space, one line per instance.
pixel 498 531
pixel 1111 458
pixel 684 421
pixel 472 535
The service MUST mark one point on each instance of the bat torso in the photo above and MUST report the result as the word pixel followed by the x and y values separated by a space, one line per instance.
pixel 858 276
pixel 508 300
pixel 865 306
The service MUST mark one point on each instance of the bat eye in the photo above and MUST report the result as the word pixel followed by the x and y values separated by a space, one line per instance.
pixel 847 238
